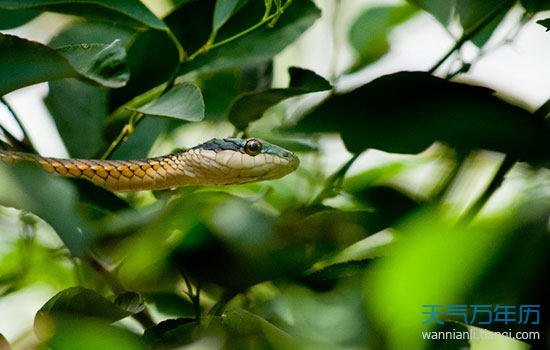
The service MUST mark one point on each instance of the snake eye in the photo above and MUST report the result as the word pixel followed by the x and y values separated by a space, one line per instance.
pixel 253 147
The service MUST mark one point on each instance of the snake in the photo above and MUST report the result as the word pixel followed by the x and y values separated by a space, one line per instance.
pixel 225 161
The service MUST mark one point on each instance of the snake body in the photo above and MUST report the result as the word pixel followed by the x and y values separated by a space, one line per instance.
pixel 215 162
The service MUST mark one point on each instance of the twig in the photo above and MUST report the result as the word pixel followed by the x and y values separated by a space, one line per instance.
pixel 183 59
pixel 334 181
pixel 467 36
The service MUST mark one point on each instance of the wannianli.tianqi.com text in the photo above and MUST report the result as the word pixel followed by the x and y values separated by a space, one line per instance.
pixel 479 334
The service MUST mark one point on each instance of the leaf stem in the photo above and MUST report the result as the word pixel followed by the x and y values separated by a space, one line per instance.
pixel 184 58
pixel 182 55
pixel 25 144
pixel 334 181
pixel 497 180
pixel 126 131
pixel 194 296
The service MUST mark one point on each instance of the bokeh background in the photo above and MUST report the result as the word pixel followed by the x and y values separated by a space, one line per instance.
pixel 346 266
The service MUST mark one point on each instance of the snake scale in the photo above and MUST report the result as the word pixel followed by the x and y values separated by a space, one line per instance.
pixel 215 162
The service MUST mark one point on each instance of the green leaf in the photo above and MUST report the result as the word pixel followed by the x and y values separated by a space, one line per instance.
pixel 171 333
pixel 183 102
pixel 27 187
pixel 534 6
pixel 433 260
pixel 222 12
pixel 79 302
pixel 129 12
pixel 131 302
pixel 90 334
pixel 377 22
pixel 103 64
pixel 35 63
pixel 263 43
pixel 470 14
pixel 75 105
pixel 12 19
pixel 545 23
pixel 383 113
pixel 171 304
pixel 243 323
pixel 251 106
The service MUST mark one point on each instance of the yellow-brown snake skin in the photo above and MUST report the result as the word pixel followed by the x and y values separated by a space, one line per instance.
pixel 215 162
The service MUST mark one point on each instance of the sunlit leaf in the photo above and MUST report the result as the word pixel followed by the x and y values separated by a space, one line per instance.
pixel 434 263
pixel 91 334
pixel 131 12
pixel 182 102
pixel 251 106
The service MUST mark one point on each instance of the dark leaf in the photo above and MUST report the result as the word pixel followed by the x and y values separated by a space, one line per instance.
pixel 27 187
pixel 131 12
pixel 131 302
pixel 102 64
pixel 170 303
pixel 534 6
pixel 170 333
pixel 545 23
pixel 251 106
pixel 11 19
pixel 408 111
pixel 35 63
pixel 76 106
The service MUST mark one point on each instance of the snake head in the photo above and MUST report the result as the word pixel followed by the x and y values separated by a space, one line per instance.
pixel 248 160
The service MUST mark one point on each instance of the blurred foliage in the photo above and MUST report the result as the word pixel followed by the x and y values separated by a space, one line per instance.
pixel 330 257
